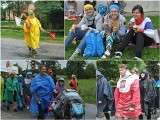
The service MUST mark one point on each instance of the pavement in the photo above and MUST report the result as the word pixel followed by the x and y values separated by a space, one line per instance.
pixel 13 49
pixel 90 113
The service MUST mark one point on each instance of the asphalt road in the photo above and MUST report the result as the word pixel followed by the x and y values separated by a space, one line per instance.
pixel 13 49
pixel 90 113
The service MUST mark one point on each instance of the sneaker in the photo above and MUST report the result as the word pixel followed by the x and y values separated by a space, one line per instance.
pixel 34 52
pixel 15 110
pixel 138 59
pixel 30 49
pixel 118 55
pixel 103 57
pixel 27 107
pixel 8 108
pixel 74 55
pixel 107 53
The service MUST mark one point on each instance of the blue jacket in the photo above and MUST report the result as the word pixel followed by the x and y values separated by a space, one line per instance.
pixel 43 86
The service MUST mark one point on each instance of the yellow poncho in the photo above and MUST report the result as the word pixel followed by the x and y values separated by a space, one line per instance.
pixel 31 35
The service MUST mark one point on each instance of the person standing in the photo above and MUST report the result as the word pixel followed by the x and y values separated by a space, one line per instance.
pixel 105 96
pixel 42 87
pixel 148 94
pixel 11 92
pixel 73 83
pixel 127 95
pixel 32 32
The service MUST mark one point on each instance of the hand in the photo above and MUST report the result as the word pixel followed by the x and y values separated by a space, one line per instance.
pixel 115 29
pixel 42 29
pixel 55 91
pixel 105 25
pixel 73 28
pixel 38 101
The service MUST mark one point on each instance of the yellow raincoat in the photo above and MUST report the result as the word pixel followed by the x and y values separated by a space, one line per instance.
pixel 31 35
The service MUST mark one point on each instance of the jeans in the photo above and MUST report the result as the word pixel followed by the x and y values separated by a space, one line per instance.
pixel 78 33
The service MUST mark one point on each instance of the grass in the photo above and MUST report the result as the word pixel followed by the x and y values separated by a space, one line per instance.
pixel 18 33
pixel 87 88
pixel 129 52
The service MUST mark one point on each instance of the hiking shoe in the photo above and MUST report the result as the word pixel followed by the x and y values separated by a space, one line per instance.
pixel 138 59
pixel 107 53
pixel 30 49
pixel 34 52
pixel 74 55
pixel 8 108
pixel 27 107
pixel 103 57
pixel 15 110
pixel 118 55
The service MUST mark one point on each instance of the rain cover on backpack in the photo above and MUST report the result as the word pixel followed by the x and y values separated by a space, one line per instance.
pixel 68 104
pixel 94 45
pixel 103 10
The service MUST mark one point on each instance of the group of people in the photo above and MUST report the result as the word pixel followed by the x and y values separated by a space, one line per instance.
pixel 113 28
pixel 134 94
pixel 33 91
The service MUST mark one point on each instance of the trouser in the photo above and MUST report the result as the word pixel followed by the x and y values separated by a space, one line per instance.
pixel 78 33
pixel 119 118
pixel 41 112
pixel 139 39
pixel 106 109
pixel 148 116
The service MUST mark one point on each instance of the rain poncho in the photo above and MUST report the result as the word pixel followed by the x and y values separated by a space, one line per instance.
pixel 2 87
pixel 158 84
pixel 127 95
pixel 33 33
pixel 11 84
pixel 43 86
pixel 104 94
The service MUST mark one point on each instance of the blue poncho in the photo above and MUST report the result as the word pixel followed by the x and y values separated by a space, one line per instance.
pixel 43 86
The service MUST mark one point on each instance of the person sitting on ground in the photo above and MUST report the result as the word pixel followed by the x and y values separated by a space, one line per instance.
pixel 92 2
pixel 114 24
pixel 141 33
pixel 91 21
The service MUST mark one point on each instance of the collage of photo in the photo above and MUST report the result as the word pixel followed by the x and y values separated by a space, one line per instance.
pixel 80 59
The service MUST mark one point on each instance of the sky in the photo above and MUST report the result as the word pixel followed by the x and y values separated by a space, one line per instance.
pixel 23 63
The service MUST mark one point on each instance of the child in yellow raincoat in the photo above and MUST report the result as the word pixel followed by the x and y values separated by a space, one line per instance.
pixel 32 28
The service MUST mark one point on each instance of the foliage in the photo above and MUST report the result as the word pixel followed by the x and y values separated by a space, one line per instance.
pixel 90 71
pixel 153 69
pixel 19 68
pixel 75 67
pixel 50 13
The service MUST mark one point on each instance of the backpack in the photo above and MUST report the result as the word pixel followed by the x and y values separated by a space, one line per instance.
pixel 94 45
pixel 103 10
pixel 77 110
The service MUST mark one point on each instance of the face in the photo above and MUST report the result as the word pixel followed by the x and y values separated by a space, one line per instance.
pixel 61 82
pixel 29 76
pixel 89 11
pixel 43 70
pixel 133 72
pixel 136 14
pixel 12 76
pixel 20 79
pixel 97 78
pixel 122 71
pixel 114 13
pixel 142 75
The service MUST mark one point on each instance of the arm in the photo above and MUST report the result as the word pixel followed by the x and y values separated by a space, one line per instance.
pixel 8 86
pixel 36 97
pixel 81 22
pixel 149 31
pixel 98 25
pixel 122 27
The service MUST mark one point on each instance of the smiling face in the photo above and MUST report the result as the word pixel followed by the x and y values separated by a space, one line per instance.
pixel 43 70
pixel 114 13
pixel 136 14
pixel 89 11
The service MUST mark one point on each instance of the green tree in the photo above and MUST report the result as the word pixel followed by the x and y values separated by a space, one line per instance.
pixel 19 68
pixel 90 71
pixel 50 13
pixel 75 67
